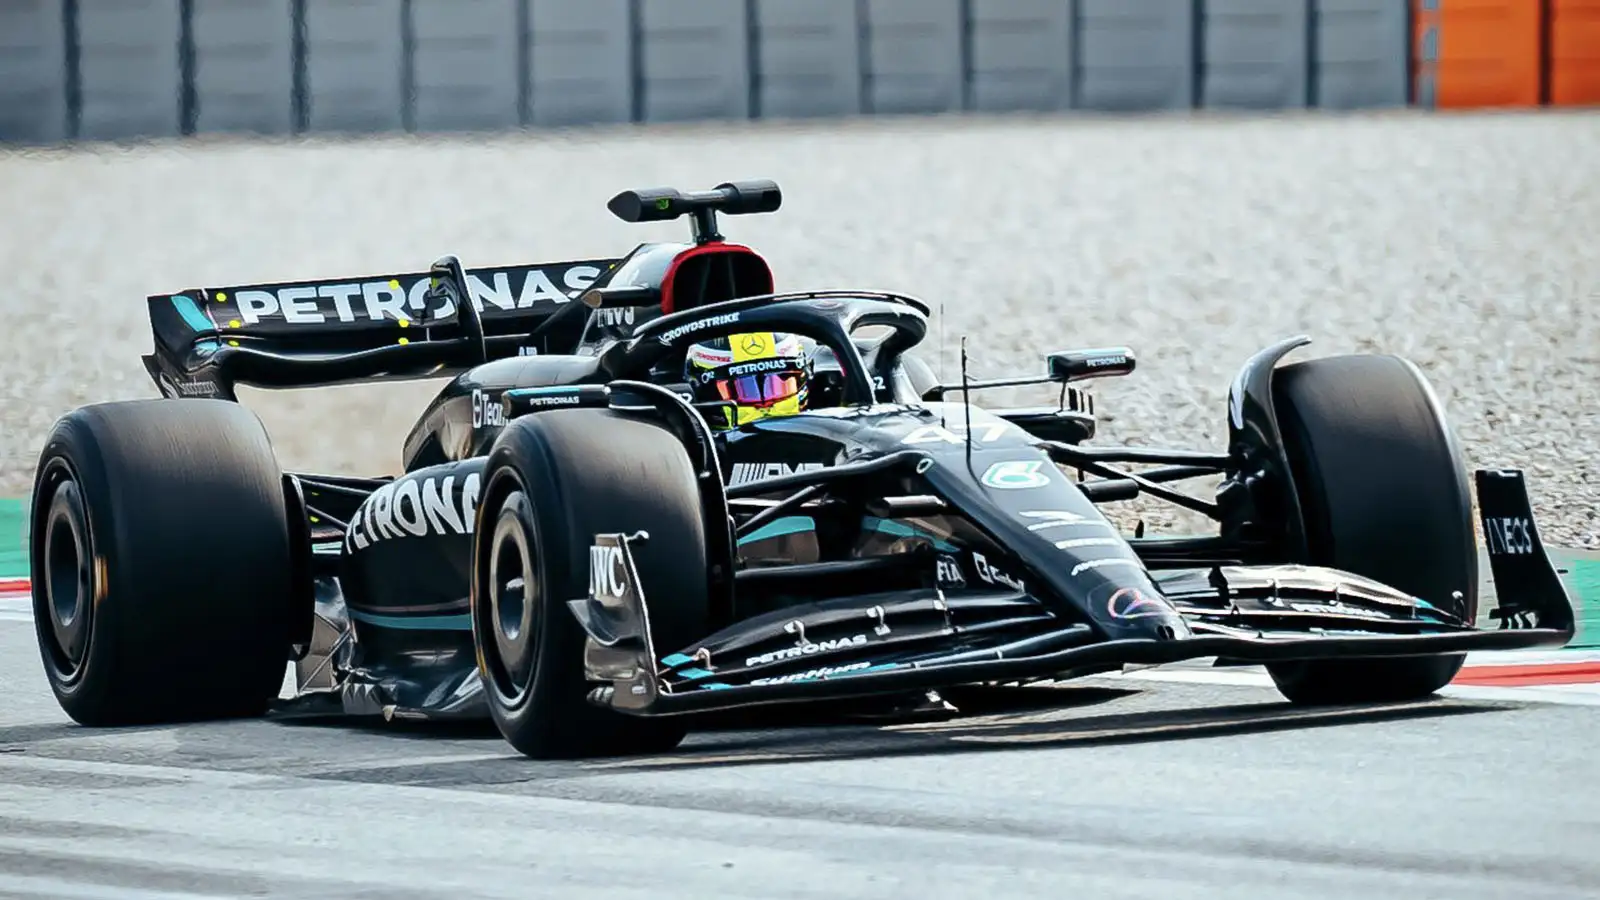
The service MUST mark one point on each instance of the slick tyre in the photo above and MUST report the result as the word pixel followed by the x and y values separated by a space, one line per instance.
pixel 553 480
pixel 162 572
pixel 1384 494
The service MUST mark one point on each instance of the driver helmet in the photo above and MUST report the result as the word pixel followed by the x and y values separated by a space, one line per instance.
pixel 756 375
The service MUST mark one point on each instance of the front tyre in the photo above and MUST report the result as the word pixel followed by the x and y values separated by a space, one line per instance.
pixel 1383 491
pixel 553 480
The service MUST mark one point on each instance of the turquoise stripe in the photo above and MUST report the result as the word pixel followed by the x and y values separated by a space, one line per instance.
pixel 191 313
pixel 802 524
pixel 780 527
pixel 460 622
pixel 895 528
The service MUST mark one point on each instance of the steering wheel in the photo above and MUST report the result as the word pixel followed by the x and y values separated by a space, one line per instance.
pixel 827 317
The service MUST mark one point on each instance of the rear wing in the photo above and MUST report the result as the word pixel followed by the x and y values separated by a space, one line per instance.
pixel 337 331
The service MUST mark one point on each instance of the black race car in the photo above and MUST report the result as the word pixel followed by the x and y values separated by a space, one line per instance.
pixel 574 551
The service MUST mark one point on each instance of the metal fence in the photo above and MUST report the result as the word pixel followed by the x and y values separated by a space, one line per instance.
pixel 109 69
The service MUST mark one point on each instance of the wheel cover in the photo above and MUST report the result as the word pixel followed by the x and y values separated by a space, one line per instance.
pixel 509 626
pixel 64 598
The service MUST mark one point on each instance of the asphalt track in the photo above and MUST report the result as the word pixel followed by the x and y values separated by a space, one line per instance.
pixel 1133 788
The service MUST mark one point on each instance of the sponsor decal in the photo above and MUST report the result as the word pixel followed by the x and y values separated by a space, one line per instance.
pixel 994 576
pixel 1337 609
pixel 1100 362
pixel 1508 536
pixel 1055 518
pixel 949 572
pixel 1132 603
pixel 415 507
pixel 173 388
pixel 487 411
pixel 548 400
pixel 1075 543
pixel 608 573
pixel 812 674
pixel 782 363
pixel 672 334
pixel 1019 474
pixel 955 434
pixel 614 316
pixel 388 300
pixel 1101 563
pixel 754 344
pixel 745 473
pixel 804 647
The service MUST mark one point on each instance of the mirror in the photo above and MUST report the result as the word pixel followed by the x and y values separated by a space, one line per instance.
pixel 1077 365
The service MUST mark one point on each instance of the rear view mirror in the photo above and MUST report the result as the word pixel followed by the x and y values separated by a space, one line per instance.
pixel 1077 365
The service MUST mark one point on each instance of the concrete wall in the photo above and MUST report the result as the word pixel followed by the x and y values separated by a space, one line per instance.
pixel 116 69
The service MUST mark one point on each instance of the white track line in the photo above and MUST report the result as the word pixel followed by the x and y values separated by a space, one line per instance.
pixel 16 608
pixel 1252 676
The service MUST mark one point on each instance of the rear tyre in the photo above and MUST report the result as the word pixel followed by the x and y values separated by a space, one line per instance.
pixel 553 480
pixel 162 571
pixel 1384 494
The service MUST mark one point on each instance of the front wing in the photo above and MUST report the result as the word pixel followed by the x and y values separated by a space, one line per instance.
pixel 889 644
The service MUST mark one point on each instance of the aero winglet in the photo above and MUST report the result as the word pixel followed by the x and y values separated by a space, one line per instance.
pixel 617 621
pixel 1525 579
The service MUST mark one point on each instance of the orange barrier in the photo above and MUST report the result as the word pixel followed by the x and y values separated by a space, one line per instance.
pixel 1474 53
pixel 1574 52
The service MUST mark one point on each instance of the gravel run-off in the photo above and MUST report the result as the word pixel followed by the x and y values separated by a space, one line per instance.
pixel 1468 243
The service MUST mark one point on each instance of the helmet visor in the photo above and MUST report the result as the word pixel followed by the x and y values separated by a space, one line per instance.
pixel 759 390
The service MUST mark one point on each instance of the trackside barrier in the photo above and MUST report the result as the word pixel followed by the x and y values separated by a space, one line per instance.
pixel 808 58
pixel 580 62
pixel 1135 55
pixel 1361 53
pixel 1255 53
pixel 1023 56
pixel 355 67
pixel 1478 53
pixel 33 72
pixel 914 57
pixel 465 64
pixel 111 69
pixel 243 66
pixel 1575 52
pixel 130 78
pixel 693 60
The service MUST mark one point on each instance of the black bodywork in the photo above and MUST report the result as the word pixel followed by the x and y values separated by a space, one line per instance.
pixel 889 539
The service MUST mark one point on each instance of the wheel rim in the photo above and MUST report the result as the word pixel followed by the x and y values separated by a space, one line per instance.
pixel 509 629
pixel 64 601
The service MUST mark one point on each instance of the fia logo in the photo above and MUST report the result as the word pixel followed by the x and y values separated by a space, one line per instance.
pixel 1016 475
pixel 608 572
pixel 949 573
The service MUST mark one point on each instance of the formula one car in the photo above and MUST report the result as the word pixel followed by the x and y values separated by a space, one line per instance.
pixel 588 546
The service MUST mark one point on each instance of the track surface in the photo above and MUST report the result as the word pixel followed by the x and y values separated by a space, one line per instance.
pixel 1134 789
